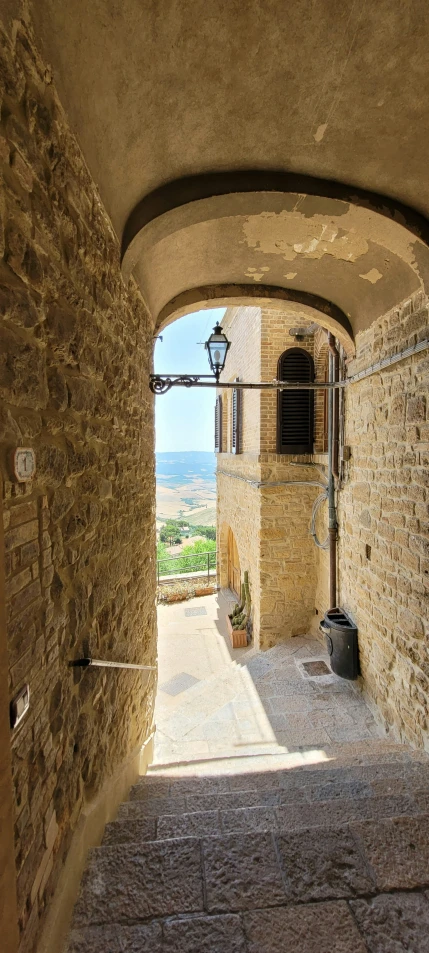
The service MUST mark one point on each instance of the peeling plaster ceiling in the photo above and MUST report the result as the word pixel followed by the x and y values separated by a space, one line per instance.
pixel 167 89
pixel 360 260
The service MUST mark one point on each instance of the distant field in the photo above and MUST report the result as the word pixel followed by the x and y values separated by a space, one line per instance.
pixel 186 486
pixel 206 517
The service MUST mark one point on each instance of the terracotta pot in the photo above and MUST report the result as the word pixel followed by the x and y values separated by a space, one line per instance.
pixel 208 591
pixel 238 637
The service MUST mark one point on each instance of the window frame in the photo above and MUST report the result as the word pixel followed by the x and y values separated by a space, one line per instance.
pixel 306 447
pixel 236 419
pixel 218 424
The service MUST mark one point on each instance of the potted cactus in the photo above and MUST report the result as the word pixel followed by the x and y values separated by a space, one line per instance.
pixel 238 621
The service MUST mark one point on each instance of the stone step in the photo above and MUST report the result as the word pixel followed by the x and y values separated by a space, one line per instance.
pixel 360 753
pixel 232 873
pixel 396 920
pixel 133 827
pixel 179 796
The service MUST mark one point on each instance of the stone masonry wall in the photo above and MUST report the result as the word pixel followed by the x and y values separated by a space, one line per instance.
pixel 272 524
pixel 74 359
pixel 242 327
pixel 288 554
pixel 383 516
pixel 275 339
pixel 238 503
pixel 238 507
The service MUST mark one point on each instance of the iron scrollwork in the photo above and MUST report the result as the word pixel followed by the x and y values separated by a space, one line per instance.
pixel 160 385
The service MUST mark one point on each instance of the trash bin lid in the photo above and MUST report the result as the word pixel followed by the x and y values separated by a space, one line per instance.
pixel 338 617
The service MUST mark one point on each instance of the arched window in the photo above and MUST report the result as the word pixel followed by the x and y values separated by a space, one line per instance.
pixel 295 408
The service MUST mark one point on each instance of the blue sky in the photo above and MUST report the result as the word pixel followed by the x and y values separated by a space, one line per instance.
pixel 184 419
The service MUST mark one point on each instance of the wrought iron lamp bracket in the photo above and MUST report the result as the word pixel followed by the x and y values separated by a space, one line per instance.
pixel 160 385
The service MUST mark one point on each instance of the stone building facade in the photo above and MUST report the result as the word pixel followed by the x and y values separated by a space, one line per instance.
pixel 271 522
pixel 382 505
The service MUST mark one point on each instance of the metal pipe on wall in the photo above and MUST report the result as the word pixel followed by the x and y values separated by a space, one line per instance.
pixel 336 405
pixel 332 515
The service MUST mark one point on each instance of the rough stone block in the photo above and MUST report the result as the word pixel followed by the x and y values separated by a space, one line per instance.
pixel 136 883
pixel 20 535
pixel 133 830
pixel 214 934
pixel 23 513
pixel 189 825
pixel 249 819
pixel 241 872
pixel 394 922
pixel 398 851
pixel 321 927
pixel 116 938
pixel 324 866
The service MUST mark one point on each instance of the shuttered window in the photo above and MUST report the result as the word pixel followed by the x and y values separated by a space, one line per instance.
pixel 236 417
pixel 218 425
pixel 295 413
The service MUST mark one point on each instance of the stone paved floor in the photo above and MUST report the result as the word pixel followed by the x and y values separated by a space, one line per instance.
pixel 217 703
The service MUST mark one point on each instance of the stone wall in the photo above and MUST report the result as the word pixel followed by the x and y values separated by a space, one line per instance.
pixel 79 538
pixel 383 514
pixel 242 327
pixel 238 508
pixel 275 339
pixel 271 524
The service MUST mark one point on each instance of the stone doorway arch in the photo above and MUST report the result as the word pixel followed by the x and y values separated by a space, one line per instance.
pixel 233 564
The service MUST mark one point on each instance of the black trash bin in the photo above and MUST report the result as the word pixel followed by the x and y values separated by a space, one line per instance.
pixel 342 643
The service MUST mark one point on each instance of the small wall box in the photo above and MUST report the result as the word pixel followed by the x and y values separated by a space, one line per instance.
pixel 23 464
pixel 19 706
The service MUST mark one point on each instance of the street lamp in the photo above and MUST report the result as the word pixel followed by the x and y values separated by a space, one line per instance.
pixel 217 348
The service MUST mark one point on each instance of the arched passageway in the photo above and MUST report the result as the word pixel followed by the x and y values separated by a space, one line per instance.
pixel 150 168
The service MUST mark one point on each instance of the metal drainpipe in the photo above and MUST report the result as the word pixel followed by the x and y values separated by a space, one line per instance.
pixel 336 409
pixel 332 524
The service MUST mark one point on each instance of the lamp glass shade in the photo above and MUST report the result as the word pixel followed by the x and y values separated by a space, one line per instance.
pixel 217 347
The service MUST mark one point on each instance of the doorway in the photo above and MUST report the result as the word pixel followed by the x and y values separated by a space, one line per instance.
pixel 234 574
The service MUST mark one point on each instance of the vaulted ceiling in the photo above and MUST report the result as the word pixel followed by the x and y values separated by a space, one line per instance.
pixel 254 148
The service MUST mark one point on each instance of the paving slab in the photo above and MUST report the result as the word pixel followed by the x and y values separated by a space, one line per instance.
pixel 216 934
pixel 242 872
pixel 246 702
pixel 130 830
pixel 189 825
pixel 116 938
pixel 398 851
pixel 140 882
pixel 394 923
pixel 331 866
pixel 315 928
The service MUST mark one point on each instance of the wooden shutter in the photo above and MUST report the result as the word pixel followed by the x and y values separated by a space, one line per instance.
pixel 236 417
pixel 218 425
pixel 295 409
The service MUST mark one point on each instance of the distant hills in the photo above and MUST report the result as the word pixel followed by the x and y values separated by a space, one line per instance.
pixel 175 469
pixel 186 487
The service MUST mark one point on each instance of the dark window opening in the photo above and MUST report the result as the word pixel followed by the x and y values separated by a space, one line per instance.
pixel 295 409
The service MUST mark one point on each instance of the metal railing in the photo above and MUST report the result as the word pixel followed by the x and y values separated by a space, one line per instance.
pixel 100 663
pixel 203 562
